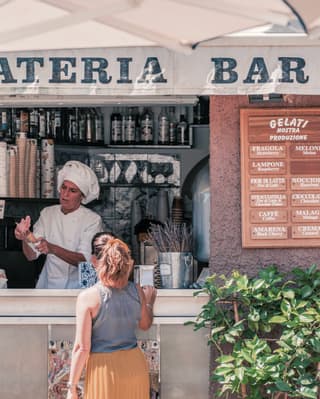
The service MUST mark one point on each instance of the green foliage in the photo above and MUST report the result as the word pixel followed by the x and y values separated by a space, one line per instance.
pixel 275 344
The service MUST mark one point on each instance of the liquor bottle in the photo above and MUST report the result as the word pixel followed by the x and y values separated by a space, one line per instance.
pixel 49 124
pixel 146 128
pixel 99 126
pixel 116 126
pixel 73 134
pixel 34 124
pixel 90 134
pixel 57 128
pixel 123 113
pixel 172 126
pixel 130 127
pixel 42 124
pixel 17 121
pixel 3 124
pixel 82 125
pixel 182 131
pixel 163 126
pixel 24 120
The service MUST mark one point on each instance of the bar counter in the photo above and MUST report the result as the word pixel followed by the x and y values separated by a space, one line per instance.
pixel 31 318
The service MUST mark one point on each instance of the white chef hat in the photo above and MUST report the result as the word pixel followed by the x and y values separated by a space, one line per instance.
pixel 83 177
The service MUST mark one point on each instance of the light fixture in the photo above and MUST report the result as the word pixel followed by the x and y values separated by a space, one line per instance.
pixel 30 100
pixel 263 98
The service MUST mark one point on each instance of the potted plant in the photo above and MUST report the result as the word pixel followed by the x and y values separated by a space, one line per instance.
pixel 266 331
pixel 173 242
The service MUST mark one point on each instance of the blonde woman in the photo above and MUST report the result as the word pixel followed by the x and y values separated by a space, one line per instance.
pixel 108 315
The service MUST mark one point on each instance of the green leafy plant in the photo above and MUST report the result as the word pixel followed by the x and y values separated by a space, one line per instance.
pixel 266 331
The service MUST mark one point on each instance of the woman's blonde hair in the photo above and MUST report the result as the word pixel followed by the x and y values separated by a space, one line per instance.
pixel 115 262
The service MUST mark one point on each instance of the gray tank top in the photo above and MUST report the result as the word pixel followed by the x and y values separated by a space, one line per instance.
pixel 114 327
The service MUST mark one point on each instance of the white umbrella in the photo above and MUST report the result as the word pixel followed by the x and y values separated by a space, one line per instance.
pixel 175 24
pixel 308 12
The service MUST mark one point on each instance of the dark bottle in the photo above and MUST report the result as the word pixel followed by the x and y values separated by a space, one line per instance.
pixel 34 124
pixel 57 126
pixel 82 125
pixel 24 120
pixel 3 124
pixel 172 126
pixel 49 124
pixel 99 126
pixel 163 126
pixel 17 121
pixel 90 134
pixel 201 111
pixel 130 127
pixel 182 131
pixel 146 127
pixel 42 124
pixel 116 127
pixel 73 134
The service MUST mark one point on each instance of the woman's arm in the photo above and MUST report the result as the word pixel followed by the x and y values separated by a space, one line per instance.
pixel 147 297
pixel 88 303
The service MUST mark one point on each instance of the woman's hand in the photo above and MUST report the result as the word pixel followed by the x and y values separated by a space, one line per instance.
pixel 22 228
pixel 150 294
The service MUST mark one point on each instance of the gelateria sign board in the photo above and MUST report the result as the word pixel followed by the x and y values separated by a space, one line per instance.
pixel 280 177
pixel 135 71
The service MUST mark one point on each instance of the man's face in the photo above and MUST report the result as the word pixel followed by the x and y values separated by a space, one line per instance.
pixel 70 197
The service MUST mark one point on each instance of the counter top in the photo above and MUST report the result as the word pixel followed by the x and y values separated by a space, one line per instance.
pixel 173 306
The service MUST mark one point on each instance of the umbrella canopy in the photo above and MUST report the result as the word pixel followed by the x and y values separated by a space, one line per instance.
pixel 175 24
pixel 308 12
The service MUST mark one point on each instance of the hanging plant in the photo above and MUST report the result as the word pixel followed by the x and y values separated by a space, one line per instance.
pixel 272 322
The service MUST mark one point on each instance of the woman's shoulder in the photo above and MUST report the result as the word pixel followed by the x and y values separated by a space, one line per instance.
pixel 89 296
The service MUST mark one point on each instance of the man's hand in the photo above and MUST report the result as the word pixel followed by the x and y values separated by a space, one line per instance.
pixel 22 228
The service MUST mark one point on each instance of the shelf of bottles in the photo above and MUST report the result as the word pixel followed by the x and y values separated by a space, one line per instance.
pixel 128 126
pixel 63 125
pixel 131 126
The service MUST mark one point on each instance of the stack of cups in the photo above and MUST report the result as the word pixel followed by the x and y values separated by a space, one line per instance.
pixel 13 156
pixel 21 140
pixel 177 211
pixel 31 172
pixel 3 170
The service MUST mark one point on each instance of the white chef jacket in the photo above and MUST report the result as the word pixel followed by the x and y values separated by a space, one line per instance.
pixel 73 231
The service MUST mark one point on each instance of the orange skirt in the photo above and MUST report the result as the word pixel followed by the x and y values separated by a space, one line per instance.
pixel 117 375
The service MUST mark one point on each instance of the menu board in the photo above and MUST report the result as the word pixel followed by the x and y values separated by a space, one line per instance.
pixel 280 177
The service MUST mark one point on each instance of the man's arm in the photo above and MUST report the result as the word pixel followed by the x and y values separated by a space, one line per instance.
pixel 71 257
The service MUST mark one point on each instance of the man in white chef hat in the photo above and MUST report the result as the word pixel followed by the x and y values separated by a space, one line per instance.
pixel 63 232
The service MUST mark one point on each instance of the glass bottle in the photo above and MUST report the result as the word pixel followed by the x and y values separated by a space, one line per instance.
pixel 90 136
pixel 49 132
pixel 146 126
pixel 163 127
pixel 130 127
pixel 24 120
pixel 42 124
pixel 17 121
pixel 34 124
pixel 182 131
pixel 99 126
pixel 73 133
pixel 57 129
pixel 82 125
pixel 3 124
pixel 116 127
pixel 172 126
